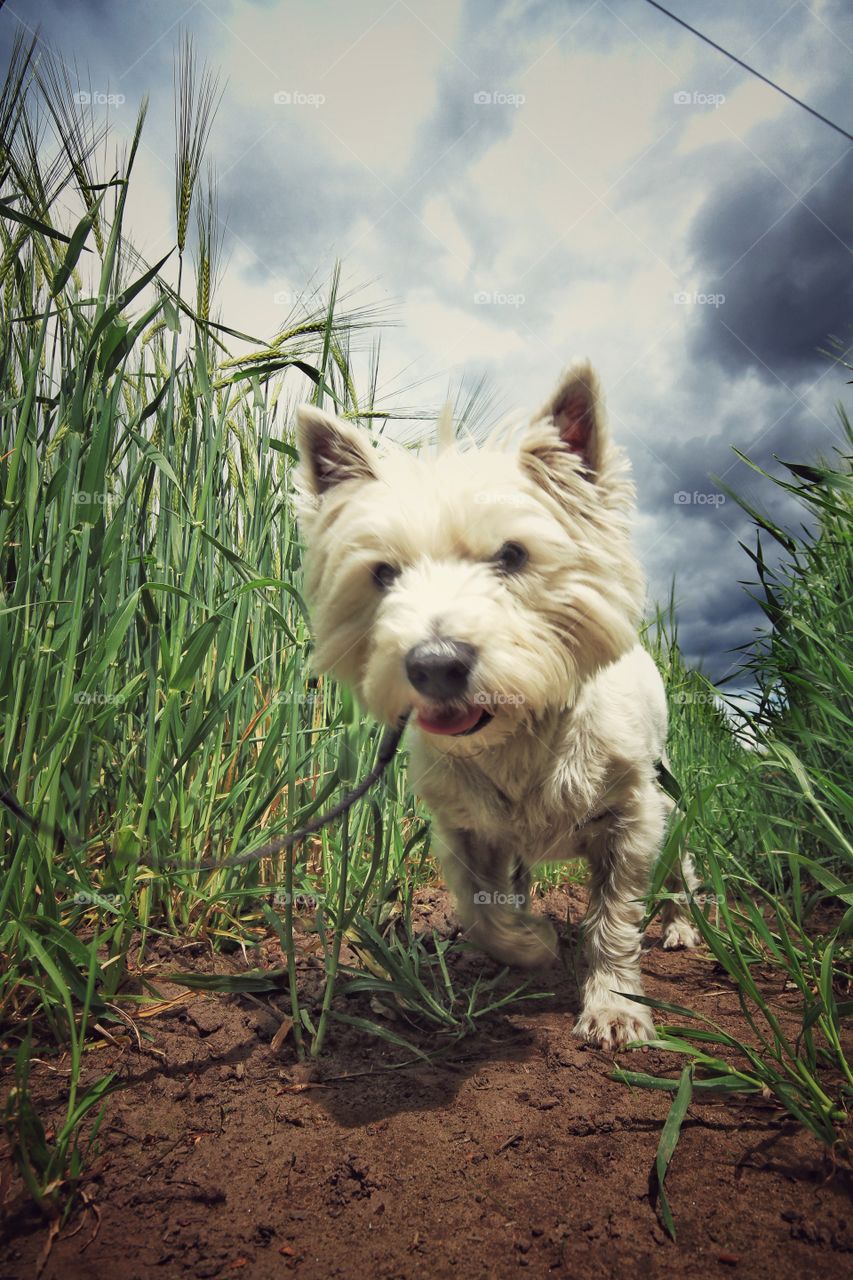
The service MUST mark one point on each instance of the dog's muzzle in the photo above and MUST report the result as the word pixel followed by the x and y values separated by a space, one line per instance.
pixel 440 670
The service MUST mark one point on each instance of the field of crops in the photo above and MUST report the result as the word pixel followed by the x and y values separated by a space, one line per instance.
pixel 157 706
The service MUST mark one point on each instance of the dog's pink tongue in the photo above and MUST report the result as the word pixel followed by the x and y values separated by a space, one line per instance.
pixel 452 722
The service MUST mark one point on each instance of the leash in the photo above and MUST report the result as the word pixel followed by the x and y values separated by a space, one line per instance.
pixel 384 756
pixel 55 832
pixel 387 750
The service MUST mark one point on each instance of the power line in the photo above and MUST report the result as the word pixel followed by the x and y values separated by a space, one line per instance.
pixel 752 70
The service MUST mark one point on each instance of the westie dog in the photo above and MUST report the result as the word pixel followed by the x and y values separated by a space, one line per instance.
pixel 495 595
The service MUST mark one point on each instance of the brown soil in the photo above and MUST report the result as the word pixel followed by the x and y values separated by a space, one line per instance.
pixel 514 1154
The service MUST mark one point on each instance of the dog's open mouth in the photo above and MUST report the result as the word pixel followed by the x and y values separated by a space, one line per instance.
pixel 455 722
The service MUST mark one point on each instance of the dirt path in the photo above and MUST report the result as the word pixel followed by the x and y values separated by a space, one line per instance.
pixel 517 1155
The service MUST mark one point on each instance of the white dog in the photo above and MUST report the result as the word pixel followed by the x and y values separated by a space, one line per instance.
pixel 496 596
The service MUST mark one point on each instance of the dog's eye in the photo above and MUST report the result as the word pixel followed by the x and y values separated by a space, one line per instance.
pixel 384 575
pixel 511 558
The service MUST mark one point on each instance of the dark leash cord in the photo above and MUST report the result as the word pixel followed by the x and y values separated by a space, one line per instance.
pixel 387 750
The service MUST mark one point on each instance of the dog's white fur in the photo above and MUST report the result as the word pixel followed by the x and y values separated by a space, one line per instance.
pixel 566 766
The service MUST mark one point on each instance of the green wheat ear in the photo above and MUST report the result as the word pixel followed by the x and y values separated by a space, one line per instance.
pixel 197 98
pixel 209 233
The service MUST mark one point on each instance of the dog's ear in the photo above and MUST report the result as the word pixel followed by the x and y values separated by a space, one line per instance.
pixel 331 451
pixel 575 411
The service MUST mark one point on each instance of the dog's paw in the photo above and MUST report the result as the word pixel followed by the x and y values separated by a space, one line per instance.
pixel 516 938
pixel 612 1026
pixel 678 934
pixel 536 942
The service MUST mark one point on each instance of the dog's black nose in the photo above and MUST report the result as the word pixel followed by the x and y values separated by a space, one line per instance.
pixel 440 668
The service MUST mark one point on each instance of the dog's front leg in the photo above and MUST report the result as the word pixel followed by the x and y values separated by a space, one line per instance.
pixel 621 859
pixel 490 890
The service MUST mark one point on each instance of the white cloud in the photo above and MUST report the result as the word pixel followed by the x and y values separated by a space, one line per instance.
pixel 441 221
pixel 455 338
pixel 744 106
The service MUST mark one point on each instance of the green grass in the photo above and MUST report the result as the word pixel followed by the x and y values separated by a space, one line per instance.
pixel 156 703
pixel 768 819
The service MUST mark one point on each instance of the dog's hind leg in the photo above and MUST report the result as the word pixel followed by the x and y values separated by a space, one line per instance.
pixel 678 929
pixel 491 894
pixel 521 883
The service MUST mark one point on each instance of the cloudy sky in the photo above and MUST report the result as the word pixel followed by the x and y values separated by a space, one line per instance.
pixel 527 180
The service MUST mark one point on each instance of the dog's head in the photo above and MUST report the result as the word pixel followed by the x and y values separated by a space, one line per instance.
pixel 478 587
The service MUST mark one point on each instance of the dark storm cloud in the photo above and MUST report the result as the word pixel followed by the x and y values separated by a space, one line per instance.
pixel 296 217
pixel 128 47
pixel 799 312
pixel 496 45
pixel 783 299
pixel 691 530
pixel 712 638
pixel 785 267
pixel 695 551
pixel 785 430
pixel 307 212
pixel 699 559
pixel 122 49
